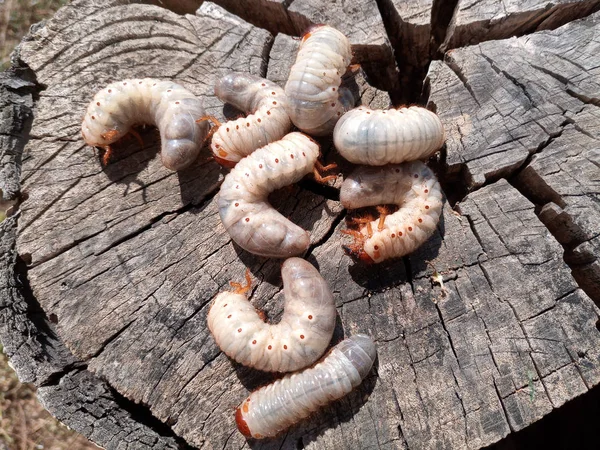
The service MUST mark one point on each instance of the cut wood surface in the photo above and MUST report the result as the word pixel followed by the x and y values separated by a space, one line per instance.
pixel 107 272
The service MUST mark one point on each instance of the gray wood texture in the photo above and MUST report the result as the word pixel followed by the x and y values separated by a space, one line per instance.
pixel 475 21
pixel 107 273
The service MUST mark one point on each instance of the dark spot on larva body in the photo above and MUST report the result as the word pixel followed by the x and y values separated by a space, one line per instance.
pixel 420 220
pixel 409 228
pixel 248 124
pixel 97 103
pixel 269 347
pixel 260 166
pixel 426 206
pixel 237 204
pixel 258 120
pixel 254 342
pixel 301 336
pixel 285 347
pixel 239 330
pixel 310 317
pixel 426 191
pixel 247 219
pixel 276 160
pixel 229 316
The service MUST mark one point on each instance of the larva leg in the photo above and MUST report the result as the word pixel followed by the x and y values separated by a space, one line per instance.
pixel 383 211
pixel 242 288
pixel 212 119
pixel 107 154
pixel 321 179
pixel 319 168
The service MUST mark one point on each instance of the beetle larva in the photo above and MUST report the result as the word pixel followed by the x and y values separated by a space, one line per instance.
pixel 245 211
pixel 300 337
pixel 315 102
pixel 169 106
pixel 273 408
pixel 268 121
pixel 414 188
pixel 379 137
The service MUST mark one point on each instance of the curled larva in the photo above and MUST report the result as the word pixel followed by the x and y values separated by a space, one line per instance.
pixel 277 406
pixel 169 106
pixel 414 188
pixel 268 121
pixel 243 206
pixel 300 337
pixel 315 102
pixel 379 137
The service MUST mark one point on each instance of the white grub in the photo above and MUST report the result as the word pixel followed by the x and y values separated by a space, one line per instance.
pixel 315 100
pixel 414 188
pixel 300 337
pixel 169 106
pixel 273 408
pixel 379 137
pixel 247 215
pixel 267 120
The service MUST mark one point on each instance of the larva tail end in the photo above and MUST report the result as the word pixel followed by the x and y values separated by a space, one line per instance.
pixel 358 253
pixel 107 155
pixel 241 423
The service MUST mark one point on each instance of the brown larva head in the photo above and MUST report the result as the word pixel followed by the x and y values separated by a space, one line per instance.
pixel 241 423
pixel 358 252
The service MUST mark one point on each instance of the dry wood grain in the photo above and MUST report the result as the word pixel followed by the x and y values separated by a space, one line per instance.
pixel 124 259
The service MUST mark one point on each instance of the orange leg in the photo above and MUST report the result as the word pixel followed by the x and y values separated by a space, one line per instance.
pixel 107 154
pixel 213 129
pixel 320 168
pixel 383 211
pixel 242 288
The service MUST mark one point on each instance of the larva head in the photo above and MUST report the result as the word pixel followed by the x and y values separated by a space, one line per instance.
pixel 357 251
pixel 311 29
pixel 241 422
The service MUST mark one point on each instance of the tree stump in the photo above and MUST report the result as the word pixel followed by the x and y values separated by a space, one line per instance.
pixel 108 272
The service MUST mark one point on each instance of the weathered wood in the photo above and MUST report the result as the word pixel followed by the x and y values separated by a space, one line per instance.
pixel 475 21
pixel 37 354
pixel 510 104
pixel 564 180
pixel 125 259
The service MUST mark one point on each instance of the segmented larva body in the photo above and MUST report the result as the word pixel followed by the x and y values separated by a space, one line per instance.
pixel 315 100
pixel 268 121
pixel 379 137
pixel 169 106
pixel 414 188
pixel 247 215
pixel 273 408
pixel 298 340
